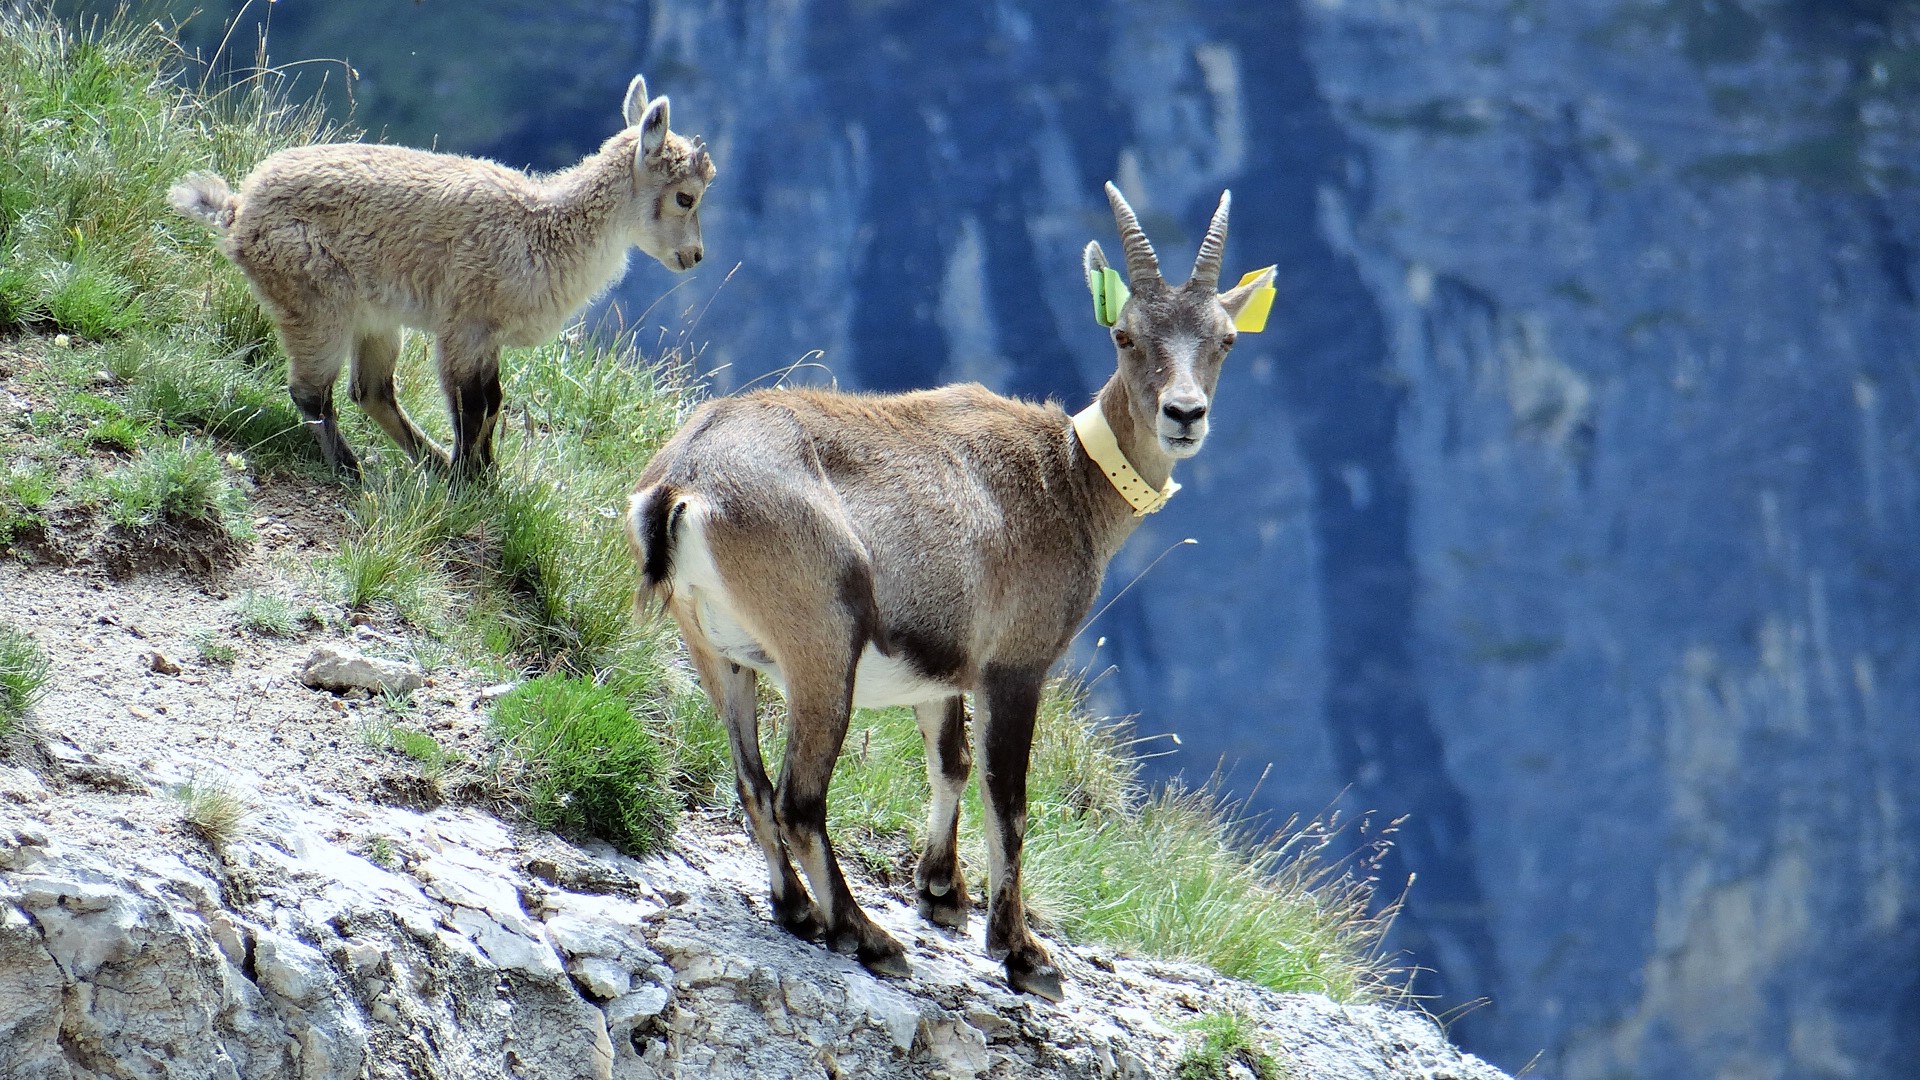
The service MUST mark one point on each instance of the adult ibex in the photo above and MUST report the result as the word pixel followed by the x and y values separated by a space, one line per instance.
pixel 909 549
pixel 344 244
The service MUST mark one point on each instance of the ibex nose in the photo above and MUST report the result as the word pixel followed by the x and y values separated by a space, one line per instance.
pixel 1185 415
pixel 686 257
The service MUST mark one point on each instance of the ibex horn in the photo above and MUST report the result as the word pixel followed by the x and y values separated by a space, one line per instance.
pixel 1142 265
pixel 1206 266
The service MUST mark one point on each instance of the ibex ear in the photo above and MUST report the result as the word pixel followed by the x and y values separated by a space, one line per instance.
pixel 1247 303
pixel 653 127
pixel 1093 260
pixel 1109 292
pixel 636 102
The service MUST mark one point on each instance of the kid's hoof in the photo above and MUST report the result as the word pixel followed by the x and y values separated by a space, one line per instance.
pixel 1041 979
pixel 949 911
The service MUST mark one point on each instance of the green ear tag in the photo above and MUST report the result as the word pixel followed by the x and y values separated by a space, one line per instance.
pixel 1253 317
pixel 1109 293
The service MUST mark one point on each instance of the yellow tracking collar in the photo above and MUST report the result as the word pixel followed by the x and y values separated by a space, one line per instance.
pixel 1090 425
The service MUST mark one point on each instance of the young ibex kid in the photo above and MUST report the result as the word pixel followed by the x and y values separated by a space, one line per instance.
pixel 906 550
pixel 344 244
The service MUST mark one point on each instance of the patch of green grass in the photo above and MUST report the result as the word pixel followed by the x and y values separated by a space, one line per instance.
pixel 21 302
pixel 1176 878
pixel 24 671
pixel 183 386
pixel 394 557
pixel 381 853
pixel 214 649
pixel 415 745
pixel 94 303
pixel 1222 1040
pixel 1166 873
pixel 26 488
pixel 270 615
pixel 182 483
pixel 212 809
pixel 99 123
pixel 120 434
pixel 421 747
pixel 581 764
pixel 98 127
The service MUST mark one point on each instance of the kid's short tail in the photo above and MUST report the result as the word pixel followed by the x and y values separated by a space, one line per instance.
pixel 205 198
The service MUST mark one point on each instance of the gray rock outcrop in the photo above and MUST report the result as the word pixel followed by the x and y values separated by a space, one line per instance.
pixel 340 668
pixel 349 940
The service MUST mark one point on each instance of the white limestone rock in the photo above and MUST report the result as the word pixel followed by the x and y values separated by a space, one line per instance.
pixel 338 668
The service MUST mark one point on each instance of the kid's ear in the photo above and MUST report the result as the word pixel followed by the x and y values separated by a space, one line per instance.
pixel 636 102
pixel 653 127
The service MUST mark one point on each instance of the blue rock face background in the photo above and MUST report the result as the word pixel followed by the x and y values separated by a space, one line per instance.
pixel 1568 506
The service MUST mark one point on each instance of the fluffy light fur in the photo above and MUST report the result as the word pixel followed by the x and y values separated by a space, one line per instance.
pixel 345 244
pixel 908 549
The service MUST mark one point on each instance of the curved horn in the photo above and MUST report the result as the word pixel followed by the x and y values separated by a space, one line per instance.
pixel 1206 265
pixel 1142 265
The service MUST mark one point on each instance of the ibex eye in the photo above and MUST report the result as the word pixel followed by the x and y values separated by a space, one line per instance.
pixel 685 200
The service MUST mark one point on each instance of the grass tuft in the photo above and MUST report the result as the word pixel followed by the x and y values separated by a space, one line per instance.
pixel 393 557
pixel 24 672
pixel 212 809
pixel 1176 878
pixel 183 483
pixel 213 649
pixel 380 852
pixel 26 489
pixel 582 765
pixel 1165 873
pixel 96 304
pixel 269 615
pixel 1222 1041
pixel 413 744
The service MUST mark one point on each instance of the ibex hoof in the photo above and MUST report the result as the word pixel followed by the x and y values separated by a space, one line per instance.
pixel 804 922
pixel 1036 976
pixel 876 951
pixel 888 963
pixel 949 911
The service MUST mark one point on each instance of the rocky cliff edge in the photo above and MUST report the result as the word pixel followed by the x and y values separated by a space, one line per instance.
pixel 353 925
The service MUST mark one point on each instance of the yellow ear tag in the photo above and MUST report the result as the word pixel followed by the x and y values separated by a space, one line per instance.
pixel 1253 317
pixel 1109 294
